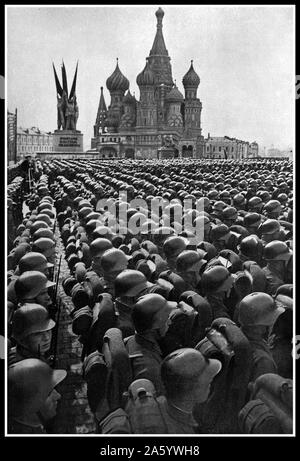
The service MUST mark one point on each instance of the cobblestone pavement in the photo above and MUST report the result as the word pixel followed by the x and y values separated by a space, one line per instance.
pixel 73 412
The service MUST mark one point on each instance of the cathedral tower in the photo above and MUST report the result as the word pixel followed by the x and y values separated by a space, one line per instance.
pixel 147 107
pixel 193 105
pixel 117 84
pixel 101 115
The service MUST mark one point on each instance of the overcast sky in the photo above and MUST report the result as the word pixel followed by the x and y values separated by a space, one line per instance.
pixel 243 55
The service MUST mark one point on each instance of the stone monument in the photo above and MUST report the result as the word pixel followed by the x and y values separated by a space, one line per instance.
pixel 66 138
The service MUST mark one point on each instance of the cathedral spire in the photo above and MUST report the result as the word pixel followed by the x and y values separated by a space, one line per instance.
pixel 102 111
pixel 159 47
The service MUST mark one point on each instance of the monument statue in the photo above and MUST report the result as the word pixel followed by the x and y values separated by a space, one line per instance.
pixel 67 108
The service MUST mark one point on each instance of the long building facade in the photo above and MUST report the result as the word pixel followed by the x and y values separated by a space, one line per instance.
pixel 162 123
pixel 229 148
pixel 31 141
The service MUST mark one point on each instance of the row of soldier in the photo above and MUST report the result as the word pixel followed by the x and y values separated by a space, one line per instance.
pixel 187 325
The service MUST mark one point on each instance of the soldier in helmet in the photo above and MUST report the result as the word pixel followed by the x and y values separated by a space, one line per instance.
pixel 150 318
pixel 31 392
pixel 45 246
pixel 271 230
pixel 32 330
pixel 223 238
pixel 252 222
pixel 189 264
pixel 32 286
pixel 230 216
pixel 251 248
pixel 272 209
pixel 187 376
pixel 278 256
pixel 112 262
pixel 172 248
pixel 129 286
pixel 97 249
pixel 257 314
pixel 216 284
pixel 255 205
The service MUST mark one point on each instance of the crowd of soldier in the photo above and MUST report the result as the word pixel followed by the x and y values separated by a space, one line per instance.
pixel 202 332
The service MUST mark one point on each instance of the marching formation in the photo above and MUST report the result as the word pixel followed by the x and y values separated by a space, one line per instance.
pixel 181 279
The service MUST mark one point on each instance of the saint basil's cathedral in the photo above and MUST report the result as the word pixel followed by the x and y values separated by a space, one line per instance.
pixel 163 123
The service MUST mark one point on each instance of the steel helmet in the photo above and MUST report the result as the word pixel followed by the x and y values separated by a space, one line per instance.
pixel 216 278
pixel 219 206
pixel 190 261
pixel 131 283
pixel 30 284
pixel 272 206
pixel 145 309
pixel 219 232
pixel 102 232
pixel 114 260
pixel 30 318
pixel 264 195
pixel 92 224
pixel 44 205
pixel 277 251
pixel 213 194
pixel 252 219
pixel 34 261
pixel 255 202
pixel 84 212
pixel 251 246
pixel 43 245
pixel 269 227
pixel 99 246
pixel 30 381
pixel 209 249
pixel 239 199
pixel 44 217
pixel 173 246
pixel 187 365
pixel 40 233
pixel 37 225
pixel 229 213
pixel 258 309
pixel 283 198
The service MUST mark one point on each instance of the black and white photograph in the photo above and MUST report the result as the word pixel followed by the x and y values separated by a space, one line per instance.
pixel 149 223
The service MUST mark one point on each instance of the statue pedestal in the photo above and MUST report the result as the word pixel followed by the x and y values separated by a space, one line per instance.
pixel 166 152
pixel 67 141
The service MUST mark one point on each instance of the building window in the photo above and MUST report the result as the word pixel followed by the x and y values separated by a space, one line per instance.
pixel 214 149
pixel 219 148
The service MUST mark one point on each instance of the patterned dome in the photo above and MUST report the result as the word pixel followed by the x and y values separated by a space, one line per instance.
pixel 117 81
pixel 191 78
pixel 129 99
pixel 146 77
pixel 174 95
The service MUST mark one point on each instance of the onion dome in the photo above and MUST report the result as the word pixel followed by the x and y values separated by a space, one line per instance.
pixel 146 77
pixel 174 95
pixel 191 78
pixel 159 13
pixel 117 81
pixel 129 99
